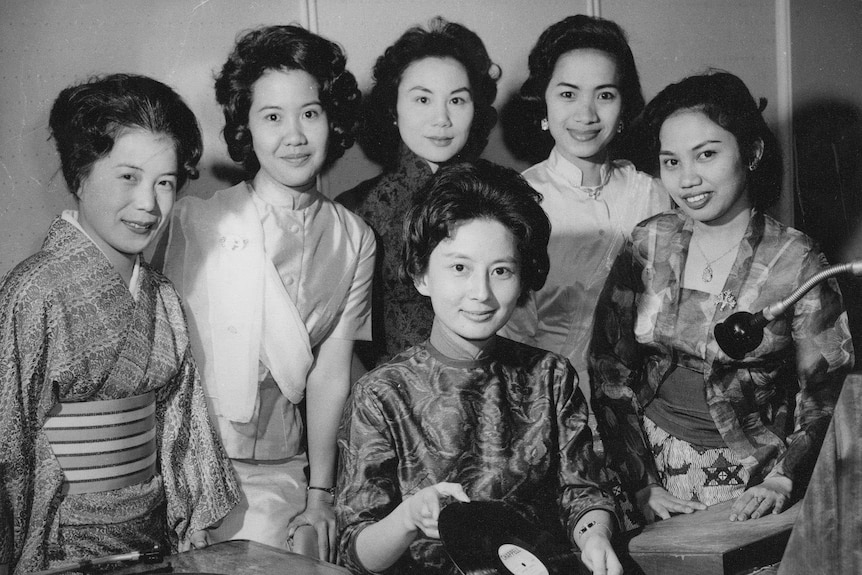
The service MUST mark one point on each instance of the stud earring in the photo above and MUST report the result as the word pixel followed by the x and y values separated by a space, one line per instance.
pixel 753 165
pixel 544 124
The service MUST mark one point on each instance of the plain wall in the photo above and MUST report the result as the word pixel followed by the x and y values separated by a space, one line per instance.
pixel 49 44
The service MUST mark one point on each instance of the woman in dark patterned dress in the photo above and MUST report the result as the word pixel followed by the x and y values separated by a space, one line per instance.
pixel 469 415
pixel 685 424
pixel 106 442
pixel 432 102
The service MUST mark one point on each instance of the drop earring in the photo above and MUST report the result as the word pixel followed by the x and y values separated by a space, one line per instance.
pixel 620 127
pixel 544 124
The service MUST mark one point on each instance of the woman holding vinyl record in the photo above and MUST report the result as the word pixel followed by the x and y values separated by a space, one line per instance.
pixel 468 415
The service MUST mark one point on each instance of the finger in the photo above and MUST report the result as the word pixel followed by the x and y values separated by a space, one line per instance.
pixel 200 539
pixel 662 512
pixel 322 541
pixel 614 565
pixel 780 503
pixel 332 540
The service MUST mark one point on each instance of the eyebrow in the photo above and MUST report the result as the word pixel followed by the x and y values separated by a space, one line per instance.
pixel 139 169
pixel 421 88
pixel 695 148
pixel 576 87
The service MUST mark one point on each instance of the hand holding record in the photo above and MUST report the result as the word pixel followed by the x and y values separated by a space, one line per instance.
pixel 423 508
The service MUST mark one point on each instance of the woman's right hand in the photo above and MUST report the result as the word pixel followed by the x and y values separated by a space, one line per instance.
pixel 656 500
pixel 422 509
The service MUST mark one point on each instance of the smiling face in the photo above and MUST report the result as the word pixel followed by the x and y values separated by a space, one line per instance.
pixel 584 105
pixel 473 280
pixel 435 109
pixel 289 129
pixel 127 196
pixel 702 167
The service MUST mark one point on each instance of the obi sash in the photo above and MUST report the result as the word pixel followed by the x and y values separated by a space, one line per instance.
pixel 104 445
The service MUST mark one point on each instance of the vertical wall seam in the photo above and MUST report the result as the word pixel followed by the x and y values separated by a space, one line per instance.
pixel 595 8
pixel 784 77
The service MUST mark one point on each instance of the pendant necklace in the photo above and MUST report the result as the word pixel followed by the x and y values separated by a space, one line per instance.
pixel 707 274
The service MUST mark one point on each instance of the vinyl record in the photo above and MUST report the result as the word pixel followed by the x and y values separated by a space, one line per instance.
pixel 490 538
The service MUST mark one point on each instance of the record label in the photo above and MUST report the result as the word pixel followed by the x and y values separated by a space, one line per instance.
pixel 519 561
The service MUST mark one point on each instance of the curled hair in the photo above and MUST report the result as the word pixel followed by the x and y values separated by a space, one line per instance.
pixel 522 120
pixel 462 192
pixel 285 48
pixel 725 100
pixel 87 119
pixel 379 136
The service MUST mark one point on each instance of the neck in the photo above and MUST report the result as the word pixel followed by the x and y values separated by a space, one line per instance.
pixel 278 194
pixel 455 347
pixel 733 226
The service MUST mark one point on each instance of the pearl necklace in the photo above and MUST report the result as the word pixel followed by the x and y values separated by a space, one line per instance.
pixel 707 274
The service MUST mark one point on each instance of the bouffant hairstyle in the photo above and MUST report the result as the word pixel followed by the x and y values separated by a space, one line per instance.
pixel 726 100
pixel 462 192
pixel 87 119
pixel 523 117
pixel 285 48
pixel 379 136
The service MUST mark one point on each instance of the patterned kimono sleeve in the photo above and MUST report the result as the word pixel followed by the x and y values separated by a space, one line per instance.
pixel 368 487
pixel 824 356
pixel 199 483
pixel 580 475
pixel 29 474
pixel 616 367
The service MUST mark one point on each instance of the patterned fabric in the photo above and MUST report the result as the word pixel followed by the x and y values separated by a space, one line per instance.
pixel 692 473
pixel 70 331
pixel 512 427
pixel 588 228
pixel 772 407
pixel 401 317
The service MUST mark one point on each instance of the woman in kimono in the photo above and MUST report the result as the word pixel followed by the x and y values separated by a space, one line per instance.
pixel 685 424
pixel 276 279
pixel 468 415
pixel 107 446
pixel 431 103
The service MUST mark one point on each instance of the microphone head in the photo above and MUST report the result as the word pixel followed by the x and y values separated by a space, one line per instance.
pixel 740 333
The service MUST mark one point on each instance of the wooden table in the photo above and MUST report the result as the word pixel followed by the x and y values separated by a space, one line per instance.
pixel 708 543
pixel 238 557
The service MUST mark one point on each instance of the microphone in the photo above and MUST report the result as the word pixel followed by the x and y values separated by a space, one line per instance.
pixel 154 555
pixel 742 331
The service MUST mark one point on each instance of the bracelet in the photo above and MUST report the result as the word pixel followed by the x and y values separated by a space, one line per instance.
pixel 592 524
pixel 330 490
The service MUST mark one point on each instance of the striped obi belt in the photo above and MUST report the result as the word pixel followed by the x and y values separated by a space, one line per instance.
pixel 104 445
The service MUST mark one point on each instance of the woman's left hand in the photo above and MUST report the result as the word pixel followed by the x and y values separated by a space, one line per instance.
pixel 197 540
pixel 771 495
pixel 599 556
pixel 319 515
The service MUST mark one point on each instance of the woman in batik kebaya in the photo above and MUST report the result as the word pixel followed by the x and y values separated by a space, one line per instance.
pixel 106 442
pixel 685 424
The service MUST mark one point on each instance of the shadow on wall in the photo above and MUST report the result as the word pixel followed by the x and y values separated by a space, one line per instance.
pixel 828 189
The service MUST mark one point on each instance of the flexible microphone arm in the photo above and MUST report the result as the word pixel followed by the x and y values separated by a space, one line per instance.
pixel 154 555
pixel 742 331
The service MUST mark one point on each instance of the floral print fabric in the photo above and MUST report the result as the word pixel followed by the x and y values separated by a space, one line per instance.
pixel 70 331
pixel 773 406
pixel 512 427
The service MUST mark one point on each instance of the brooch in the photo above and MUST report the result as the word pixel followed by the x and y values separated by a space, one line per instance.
pixel 233 243
pixel 725 300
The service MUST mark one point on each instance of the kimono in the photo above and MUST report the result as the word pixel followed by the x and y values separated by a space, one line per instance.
pixel 772 407
pixel 511 426
pixel 71 332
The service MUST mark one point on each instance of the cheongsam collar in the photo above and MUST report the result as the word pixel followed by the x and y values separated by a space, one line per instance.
pixel 575 177
pixel 413 167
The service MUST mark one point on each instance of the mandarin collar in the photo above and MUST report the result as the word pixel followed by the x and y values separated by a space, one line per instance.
pixel 573 174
